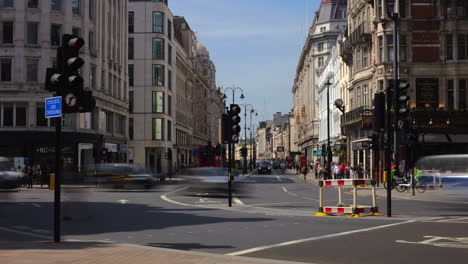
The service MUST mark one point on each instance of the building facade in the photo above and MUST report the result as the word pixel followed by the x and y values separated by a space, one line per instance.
pixel 151 64
pixel 329 22
pixel 31 32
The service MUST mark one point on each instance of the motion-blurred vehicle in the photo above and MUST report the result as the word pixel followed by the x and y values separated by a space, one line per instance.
pixel 264 166
pixel 212 180
pixel 9 178
pixel 120 175
pixel 277 164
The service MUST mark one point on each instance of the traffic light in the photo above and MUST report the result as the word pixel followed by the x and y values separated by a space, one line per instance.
pixel 379 112
pixel 235 120
pixel 403 105
pixel 54 80
pixel 244 152
pixel 374 142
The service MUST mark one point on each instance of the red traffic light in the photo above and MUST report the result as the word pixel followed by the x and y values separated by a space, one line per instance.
pixel 75 42
pixel 235 109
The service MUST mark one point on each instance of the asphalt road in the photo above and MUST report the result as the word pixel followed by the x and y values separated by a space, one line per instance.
pixel 274 219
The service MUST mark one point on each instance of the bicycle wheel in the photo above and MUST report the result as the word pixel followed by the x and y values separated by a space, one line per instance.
pixel 421 187
pixel 400 188
pixel 385 184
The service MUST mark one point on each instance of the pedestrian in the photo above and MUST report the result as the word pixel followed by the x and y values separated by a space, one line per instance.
pixel 360 171
pixel 342 171
pixel 348 171
pixel 29 179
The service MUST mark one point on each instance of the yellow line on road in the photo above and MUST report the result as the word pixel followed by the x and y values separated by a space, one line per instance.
pixel 165 198
pixel 243 252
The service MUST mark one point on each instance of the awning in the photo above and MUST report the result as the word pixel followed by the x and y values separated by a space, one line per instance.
pixel 318 153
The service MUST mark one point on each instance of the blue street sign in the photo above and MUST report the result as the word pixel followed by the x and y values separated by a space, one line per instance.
pixel 53 107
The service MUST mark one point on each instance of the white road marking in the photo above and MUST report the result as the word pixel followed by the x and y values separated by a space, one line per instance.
pixel 293 194
pixel 6 229
pixel 41 231
pixel 279 179
pixel 123 201
pixel 237 201
pixel 284 189
pixel 35 204
pixel 21 227
pixel 450 242
pixel 165 198
pixel 243 252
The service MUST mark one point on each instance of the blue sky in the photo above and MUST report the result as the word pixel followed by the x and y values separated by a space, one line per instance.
pixel 255 45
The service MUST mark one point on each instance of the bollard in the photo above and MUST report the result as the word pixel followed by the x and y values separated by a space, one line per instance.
pixel 52 181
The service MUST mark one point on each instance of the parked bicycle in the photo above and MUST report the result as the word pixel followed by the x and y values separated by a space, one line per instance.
pixel 404 183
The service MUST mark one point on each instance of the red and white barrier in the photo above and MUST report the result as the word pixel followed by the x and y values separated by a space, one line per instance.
pixel 353 209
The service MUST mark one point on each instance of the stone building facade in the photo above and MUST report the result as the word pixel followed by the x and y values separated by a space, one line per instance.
pixel 31 31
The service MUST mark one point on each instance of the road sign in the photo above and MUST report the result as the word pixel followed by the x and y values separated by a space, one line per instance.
pixel 53 107
pixel 280 149
pixel 70 99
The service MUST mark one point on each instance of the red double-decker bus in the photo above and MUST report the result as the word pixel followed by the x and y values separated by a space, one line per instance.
pixel 207 156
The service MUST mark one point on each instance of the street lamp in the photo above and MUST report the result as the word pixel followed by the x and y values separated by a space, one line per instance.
pixel 251 141
pixel 329 154
pixel 244 171
pixel 233 89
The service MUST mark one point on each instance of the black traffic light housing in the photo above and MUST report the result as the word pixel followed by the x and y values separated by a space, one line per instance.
pixel 234 119
pixel 379 112
pixel 403 111
pixel 225 128
pixel 374 142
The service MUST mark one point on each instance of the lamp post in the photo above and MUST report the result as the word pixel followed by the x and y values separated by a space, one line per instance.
pixel 251 141
pixel 244 171
pixel 329 154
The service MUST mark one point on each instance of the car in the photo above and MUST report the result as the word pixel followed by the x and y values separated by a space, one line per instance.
pixel 264 166
pixel 119 175
pixel 212 180
pixel 9 178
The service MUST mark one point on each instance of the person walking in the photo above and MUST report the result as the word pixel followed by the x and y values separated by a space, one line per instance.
pixel 30 174
pixel 360 171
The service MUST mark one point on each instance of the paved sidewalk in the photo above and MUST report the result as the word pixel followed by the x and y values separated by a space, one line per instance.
pixel 108 253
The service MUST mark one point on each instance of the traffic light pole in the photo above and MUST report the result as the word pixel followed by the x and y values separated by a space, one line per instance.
pixel 230 174
pixel 58 177
pixel 245 141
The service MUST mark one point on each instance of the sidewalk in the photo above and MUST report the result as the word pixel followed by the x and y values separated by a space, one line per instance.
pixel 109 253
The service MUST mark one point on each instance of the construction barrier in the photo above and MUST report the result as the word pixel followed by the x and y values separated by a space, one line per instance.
pixel 354 210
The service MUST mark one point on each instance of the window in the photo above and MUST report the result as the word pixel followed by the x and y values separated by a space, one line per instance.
pixel 169 29
pixel 158 49
pixel 402 8
pixel 76 31
pixel 7 35
pixel 462 52
pixel 7 114
pixel 450 95
pixel 8 3
pixel 358 58
pixel 130 74
pixel 358 96
pixel 323 29
pixel 20 115
pixel 31 70
pixel 390 49
pixel 130 101
pixel 320 47
pixel 449 47
pixel 41 121
pixel 131 21
pixel 93 77
pixel 380 43
pixel 157 129
pixel 158 75
pixel 158 102
pixel 5 70
pixel 462 94
pixel 379 8
pixel 56 4
pixel 92 8
pixel 55 32
pixel 169 105
pixel 158 19
pixel 402 50
pixel 169 54
pixel 365 96
pixel 33 3
pixel 109 122
pixel 32 33
pixel 321 61
pixel 169 80
pixel 91 41
pixel 130 48
pixel 169 130
pixel 76 5
pixel 120 124
pixel 130 128
pixel 365 57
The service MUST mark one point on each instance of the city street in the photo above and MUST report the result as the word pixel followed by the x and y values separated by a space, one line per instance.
pixel 273 220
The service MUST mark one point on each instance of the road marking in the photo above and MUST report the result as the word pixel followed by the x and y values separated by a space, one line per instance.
pixel 237 201
pixel 243 252
pixel 293 194
pixel 279 179
pixel 450 242
pixel 123 201
pixel 165 198
pixel 35 204
pixel 6 229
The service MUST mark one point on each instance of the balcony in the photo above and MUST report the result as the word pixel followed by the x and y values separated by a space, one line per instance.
pixel 360 35
pixel 353 116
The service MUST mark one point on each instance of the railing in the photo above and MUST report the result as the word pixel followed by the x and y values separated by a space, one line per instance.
pixel 353 115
